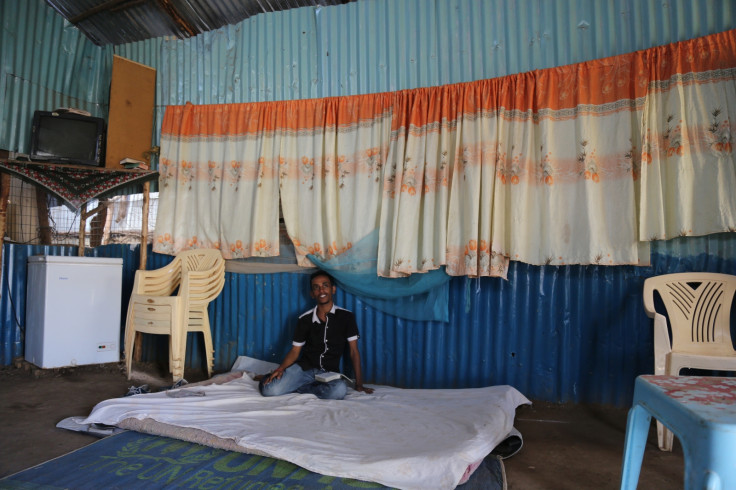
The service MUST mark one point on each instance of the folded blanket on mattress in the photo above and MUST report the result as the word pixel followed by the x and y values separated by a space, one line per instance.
pixel 402 438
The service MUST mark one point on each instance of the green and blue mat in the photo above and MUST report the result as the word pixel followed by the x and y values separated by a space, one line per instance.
pixel 135 460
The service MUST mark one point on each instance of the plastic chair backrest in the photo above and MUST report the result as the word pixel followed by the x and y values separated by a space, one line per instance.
pixel 199 259
pixel 699 309
pixel 158 282
pixel 204 270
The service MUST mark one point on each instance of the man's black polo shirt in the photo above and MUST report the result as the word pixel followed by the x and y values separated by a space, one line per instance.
pixel 323 343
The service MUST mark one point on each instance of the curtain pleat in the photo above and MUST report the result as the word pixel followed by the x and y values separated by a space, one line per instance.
pixel 581 164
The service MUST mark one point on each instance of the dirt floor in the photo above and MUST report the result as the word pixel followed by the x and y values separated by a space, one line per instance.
pixel 565 446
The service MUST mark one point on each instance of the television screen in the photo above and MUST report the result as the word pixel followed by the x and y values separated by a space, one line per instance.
pixel 60 137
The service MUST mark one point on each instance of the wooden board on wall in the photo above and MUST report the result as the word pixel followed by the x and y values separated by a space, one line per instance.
pixel 130 122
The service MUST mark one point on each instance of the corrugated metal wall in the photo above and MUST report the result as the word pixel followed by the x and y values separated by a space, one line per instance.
pixel 574 333
pixel 360 47
pixel 46 64
pixel 386 45
pixel 13 299
pixel 373 46
pixel 556 333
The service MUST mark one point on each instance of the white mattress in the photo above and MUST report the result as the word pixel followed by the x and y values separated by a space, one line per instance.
pixel 409 439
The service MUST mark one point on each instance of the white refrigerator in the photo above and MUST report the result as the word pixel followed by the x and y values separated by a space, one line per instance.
pixel 73 310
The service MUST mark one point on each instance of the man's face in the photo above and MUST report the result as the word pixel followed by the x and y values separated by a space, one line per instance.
pixel 322 290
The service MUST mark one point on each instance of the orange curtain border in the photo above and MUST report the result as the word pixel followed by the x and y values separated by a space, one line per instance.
pixel 600 82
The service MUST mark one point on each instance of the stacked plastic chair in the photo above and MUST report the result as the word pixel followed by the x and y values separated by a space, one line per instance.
pixel 173 301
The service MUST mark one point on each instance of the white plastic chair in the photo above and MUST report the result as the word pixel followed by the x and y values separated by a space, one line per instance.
pixel 173 301
pixel 698 305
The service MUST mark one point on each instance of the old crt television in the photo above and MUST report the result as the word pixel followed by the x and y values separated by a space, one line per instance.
pixel 66 137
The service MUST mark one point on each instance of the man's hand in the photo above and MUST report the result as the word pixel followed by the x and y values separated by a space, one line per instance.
pixel 364 389
pixel 274 375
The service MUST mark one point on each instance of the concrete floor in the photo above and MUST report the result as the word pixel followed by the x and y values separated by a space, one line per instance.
pixel 565 446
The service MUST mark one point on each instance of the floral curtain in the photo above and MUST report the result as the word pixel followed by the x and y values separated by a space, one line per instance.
pixel 582 164
pixel 330 172
pixel 688 171
pixel 223 168
pixel 218 187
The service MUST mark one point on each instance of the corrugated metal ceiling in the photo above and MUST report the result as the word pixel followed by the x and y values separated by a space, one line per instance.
pixel 125 21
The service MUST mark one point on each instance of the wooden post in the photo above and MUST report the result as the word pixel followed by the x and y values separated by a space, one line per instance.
pixel 138 341
pixel 107 227
pixel 42 209
pixel 144 225
pixel 97 225
pixel 82 226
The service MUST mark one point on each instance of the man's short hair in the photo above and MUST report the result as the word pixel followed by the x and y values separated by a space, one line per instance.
pixel 321 273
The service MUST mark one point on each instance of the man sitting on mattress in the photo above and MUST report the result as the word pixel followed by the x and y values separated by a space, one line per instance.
pixel 318 343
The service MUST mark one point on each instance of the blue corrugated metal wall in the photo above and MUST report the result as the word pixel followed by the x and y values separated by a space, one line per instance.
pixel 556 333
pixel 574 333
pixel 13 298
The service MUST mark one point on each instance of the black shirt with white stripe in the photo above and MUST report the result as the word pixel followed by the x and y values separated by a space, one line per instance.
pixel 323 343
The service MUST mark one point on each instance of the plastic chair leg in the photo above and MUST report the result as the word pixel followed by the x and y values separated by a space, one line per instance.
pixel 665 437
pixel 637 429
pixel 129 350
pixel 129 343
pixel 209 352
pixel 208 347
pixel 178 350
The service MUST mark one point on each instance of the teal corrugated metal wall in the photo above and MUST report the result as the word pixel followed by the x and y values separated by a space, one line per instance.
pixel 46 64
pixel 556 333
pixel 361 47
pixel 373 46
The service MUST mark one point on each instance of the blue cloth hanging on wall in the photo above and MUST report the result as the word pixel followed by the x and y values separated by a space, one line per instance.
pixel 421 296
